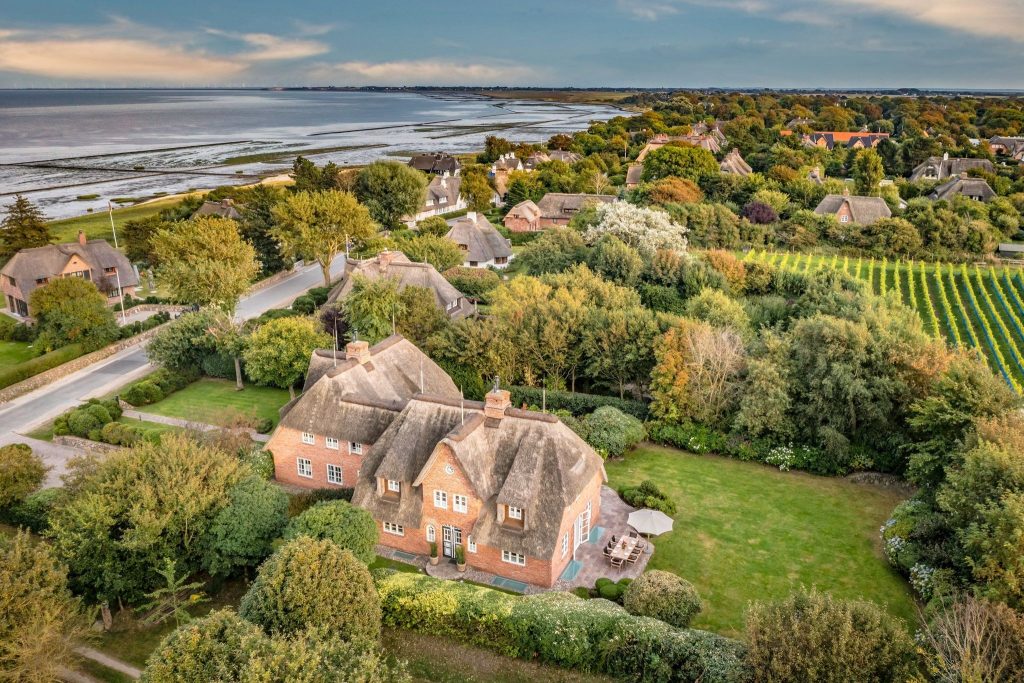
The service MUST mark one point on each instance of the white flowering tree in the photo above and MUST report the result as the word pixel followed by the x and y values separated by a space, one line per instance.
pixel 646 230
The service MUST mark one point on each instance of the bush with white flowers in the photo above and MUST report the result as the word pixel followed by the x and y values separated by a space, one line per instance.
pixel 646 230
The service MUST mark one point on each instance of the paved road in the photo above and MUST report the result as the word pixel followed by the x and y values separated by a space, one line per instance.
pixel 34 409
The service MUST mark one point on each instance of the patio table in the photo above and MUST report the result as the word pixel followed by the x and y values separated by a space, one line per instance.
pixel 623 552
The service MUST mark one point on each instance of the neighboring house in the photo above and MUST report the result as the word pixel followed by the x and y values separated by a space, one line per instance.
pixel 558 208
pixel 443 196
pixel 516 490
pixel 1007 146
pixel 93 260
pixel 854 209
pixel 634 176
pixel 500 169
pixel 397 266
pixel 943 168
pixel 225 208
pixel 538 158
pixel 831 139
pixel 437 163
pixel 481 244
pixel 1009 250
pixel 794 123
pixel 523 217
pixel 735 164
pixel 815 176
pixel 711 141
pixel 972 188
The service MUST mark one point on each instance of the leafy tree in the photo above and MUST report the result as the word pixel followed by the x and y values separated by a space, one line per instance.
pixel 868 172
pixel 185 343
pixel 22 228
pixel 476 188
pixel 373 307
pixel 475 283
pixel 205 261
pixel 811 636
pixel 718 310
pixel 673 190
pixel 71 310
pixel 439 252
pixel 974 640
pixel 522 186
pixel 340 522
pixel 434 226
pixel 137 237
pixel 228 340
pixel 310 178
pixel 759 213
pixel 242 534
pixel 319 225
pixel 172 600
pixel 390 190
pixel 616 261
pixel 888 236
pixel 278 351
pixel 692 163
pixel 125 514
pixel 40 621
pixel 646 230
pixel 662 595
pixel 618 344
pixel 257 228
pixel 612 432
pixel 21 473
pixel 214 648
pixel 420 318
pixel 311 583
pixel 554 251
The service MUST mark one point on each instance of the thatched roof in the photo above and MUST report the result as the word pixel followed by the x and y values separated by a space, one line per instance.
pixel 225 208
pixel 945 167
pixel 864 210
pixel 734 163
pixel 29 265
pixel 562 205
pixel 975 188
pixel 478 239
pixel 525 459
pixel 397 266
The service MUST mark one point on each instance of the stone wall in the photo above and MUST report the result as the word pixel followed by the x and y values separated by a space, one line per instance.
pixel 155 308
pixel 84 444
pixel 53 374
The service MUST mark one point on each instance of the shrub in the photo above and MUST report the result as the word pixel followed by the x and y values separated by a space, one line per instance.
pixel 560 628
pixel 143 393
pixel 810 636
pixel 208 649
pixel 319 295
pixel 648 495
pixel 219 365
pixel 264 425
pixel 663 595
pixel 120 434
pixel 300 502
pixel 577 403
pixel 22 371
pixel 33 512
pixel 81 423
pixel 21 473
pixel 611 590
pixel 339 521
pixel 759 213
pixel 261 462
pixel 242 533
pixel 304 305
pixel 314 583
pixel 612 432
pixel 475 283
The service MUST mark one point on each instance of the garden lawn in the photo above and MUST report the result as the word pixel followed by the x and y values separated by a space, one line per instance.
pixel 745 531
pixel 96 225
pixel 215 401
pixel 12 353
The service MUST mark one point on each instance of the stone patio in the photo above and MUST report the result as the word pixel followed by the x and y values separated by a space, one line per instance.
pixel 612 522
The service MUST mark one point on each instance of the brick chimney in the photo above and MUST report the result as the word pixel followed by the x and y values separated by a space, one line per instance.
pixel 471 215
pixel 358 350
pixel 384 259
pixel 497 402
pixel 81 238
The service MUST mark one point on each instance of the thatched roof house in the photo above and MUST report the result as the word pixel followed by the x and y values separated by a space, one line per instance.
pixel 481 244
pixel 854 209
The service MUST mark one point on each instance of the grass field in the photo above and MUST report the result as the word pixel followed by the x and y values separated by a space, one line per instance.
pixel 12 353
pixel 745 532
pixel 973 306
pixel 215 401
pixel 97 224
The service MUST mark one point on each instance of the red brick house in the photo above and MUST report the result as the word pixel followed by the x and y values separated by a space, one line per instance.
pixel 517 490
pixel 523 217
pixel 93 260
pixel 555 209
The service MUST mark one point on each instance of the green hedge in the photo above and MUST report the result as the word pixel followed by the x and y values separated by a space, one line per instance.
pixel 561 629
pixel 34 366
pixel 576 403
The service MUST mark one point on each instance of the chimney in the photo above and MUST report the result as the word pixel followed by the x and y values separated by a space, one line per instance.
pixel 384 259
pixel 497 402
pixel 358 350
pixel 945 156
pixel 846 190
pixel 471 215
pixel 81 238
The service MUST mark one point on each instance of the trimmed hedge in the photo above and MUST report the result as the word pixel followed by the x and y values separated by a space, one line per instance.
pixel 158 386
pixel 648 495
pixel 561 629
pixel 34 366
pixel 577 404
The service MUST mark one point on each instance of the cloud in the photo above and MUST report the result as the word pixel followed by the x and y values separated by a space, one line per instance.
pixel 647 10
pixel 113 59
pixel 272 48
pixel 987 18
pixel 426 72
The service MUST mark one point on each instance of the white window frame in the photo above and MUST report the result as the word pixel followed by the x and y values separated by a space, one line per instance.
pixel 393 529
pixel 440 499
pixel 308 439
pixel 339 480
pixel 355 448
pixel 460 503
pixel 565 544
pixel 514 512
pixel 844 219
pixel 394 486
pixel 471 544
pixel 510 557
pixel 304 471
pixel 331 443
pixel 431 534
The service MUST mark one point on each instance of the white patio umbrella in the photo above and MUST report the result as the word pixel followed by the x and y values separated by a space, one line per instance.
pixel 650 522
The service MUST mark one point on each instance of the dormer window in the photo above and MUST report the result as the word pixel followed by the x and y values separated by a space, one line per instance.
pixel 515 513
pixel 844 219
pixel 394 486
pixel 355 448
pixel 110 271
pixel 511 517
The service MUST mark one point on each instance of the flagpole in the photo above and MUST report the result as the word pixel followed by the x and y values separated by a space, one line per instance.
pixel 110 212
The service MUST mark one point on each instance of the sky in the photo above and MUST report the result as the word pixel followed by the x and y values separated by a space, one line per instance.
pixel 579 43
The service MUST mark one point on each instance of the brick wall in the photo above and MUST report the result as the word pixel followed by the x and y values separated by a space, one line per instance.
pixel 519 224
pixel 287 447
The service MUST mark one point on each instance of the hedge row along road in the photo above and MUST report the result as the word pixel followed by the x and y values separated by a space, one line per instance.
pixel 973 306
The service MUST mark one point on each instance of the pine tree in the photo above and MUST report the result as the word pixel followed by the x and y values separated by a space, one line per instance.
pixel 22 228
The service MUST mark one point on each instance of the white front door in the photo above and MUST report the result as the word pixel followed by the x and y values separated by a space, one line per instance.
pixel 452 537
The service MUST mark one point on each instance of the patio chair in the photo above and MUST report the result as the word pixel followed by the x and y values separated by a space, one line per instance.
pixel 615 539
pixel 633 534
pixel 608 551
pixel 617 563
pixel 641 545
